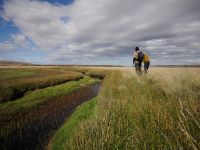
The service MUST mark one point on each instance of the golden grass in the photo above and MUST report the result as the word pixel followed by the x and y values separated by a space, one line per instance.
pixel 157 111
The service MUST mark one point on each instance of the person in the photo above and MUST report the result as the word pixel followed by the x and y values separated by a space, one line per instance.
pixel 137 60
pixel 146 61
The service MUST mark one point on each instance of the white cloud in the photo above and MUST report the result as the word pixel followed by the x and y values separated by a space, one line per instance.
pixel 100 28
pixel 15 41
pixel 39 21
pixel 19 40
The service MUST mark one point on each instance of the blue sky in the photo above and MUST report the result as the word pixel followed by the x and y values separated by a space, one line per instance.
pixel 7 28
pixel 100 31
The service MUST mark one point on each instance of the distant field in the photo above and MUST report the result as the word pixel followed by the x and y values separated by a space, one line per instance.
pixel 160 110
pixel 13 63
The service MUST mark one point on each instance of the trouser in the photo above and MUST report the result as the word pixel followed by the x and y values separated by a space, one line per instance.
pixel 146 66
pixel 138 68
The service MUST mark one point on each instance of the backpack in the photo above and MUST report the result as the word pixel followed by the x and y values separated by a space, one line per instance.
pixel 140 57
pixel 146 58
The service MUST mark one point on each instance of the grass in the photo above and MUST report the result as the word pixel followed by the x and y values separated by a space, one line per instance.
pixel 15 73
pixel 97 73
pixel 160 110
pixel 23 81
pixel 157 111
pixel 33 100
pixel 82 113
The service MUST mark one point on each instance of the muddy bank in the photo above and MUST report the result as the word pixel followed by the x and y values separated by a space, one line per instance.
pixel 43 121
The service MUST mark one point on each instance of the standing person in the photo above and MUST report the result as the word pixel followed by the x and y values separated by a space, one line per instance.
pixel 137 60
pixel 146 61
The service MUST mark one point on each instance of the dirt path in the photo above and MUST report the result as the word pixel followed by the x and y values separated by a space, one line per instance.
pixel 52 115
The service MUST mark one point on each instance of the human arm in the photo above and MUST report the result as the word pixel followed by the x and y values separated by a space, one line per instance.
pixel 133 60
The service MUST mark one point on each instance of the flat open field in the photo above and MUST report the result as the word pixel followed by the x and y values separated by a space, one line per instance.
pixel 59 108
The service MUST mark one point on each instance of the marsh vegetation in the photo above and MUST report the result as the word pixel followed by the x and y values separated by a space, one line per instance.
pixel 160 110
pixel 157 111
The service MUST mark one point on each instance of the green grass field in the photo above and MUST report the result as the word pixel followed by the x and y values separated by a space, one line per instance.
pixel 160 110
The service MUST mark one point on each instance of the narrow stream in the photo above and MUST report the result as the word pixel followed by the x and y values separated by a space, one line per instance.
pixel 37 135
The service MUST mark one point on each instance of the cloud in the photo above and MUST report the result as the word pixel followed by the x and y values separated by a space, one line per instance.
pixel 105 30
pixel 41 22
pixel 6 46
pixel 19 40
pixel 15 41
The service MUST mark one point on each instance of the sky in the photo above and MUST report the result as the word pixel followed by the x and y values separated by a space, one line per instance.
pixel 100 32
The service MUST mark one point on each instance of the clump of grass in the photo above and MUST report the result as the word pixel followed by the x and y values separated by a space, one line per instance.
pixel 159 111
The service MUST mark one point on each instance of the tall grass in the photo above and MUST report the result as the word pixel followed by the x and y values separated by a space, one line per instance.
pixel 158 111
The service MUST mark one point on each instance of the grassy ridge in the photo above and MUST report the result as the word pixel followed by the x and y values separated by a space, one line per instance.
pixel 159 111
pixel 82 113
pixel 14 83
